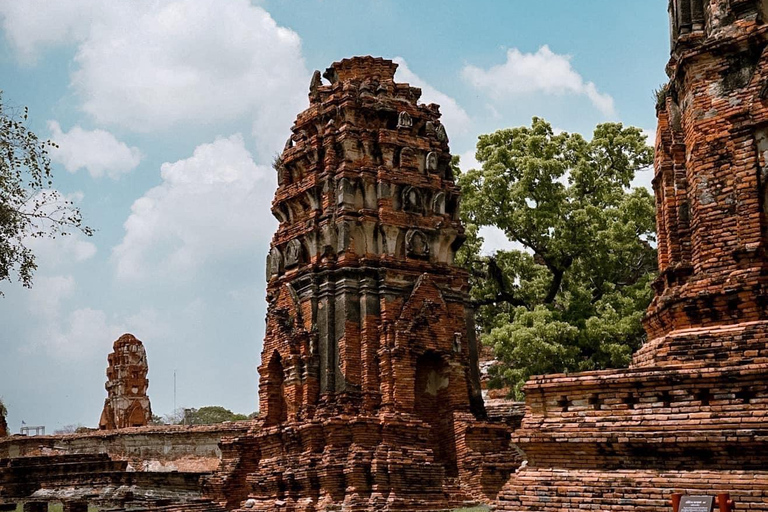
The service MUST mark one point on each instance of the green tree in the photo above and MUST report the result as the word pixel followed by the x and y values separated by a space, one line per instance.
pixel 210 415
pixel 29 205
pixel 570 294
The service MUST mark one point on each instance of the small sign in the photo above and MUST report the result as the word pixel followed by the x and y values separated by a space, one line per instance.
pixel 696 504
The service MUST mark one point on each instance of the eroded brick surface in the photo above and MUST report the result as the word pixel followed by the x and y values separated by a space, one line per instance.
pixel 690 415
pixel 127 403
pixel 369 385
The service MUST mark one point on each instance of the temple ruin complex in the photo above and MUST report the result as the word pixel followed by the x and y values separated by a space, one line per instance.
pixel 369 383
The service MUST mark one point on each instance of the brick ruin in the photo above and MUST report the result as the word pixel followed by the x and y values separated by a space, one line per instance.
pixel 127 403
pixel 690 413
pixel 370 389
pixel 153 468
pixel 369 386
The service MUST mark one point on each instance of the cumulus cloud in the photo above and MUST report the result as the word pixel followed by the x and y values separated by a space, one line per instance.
pixel 455 118
pixel 210 206
pixel 193 61
pixel 149 66
pixel 61 333
pixel 97 151
pixel 541 72
pixel 32 26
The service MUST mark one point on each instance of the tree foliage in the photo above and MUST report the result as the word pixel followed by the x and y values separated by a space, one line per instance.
pixel 209 415
pixel 29 205
pixel 570 293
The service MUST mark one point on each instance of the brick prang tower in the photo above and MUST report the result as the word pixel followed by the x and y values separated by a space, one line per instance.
pixel 369 387
pixel 361 277
pixel 711 304
pixel 689 415
pixel 127 403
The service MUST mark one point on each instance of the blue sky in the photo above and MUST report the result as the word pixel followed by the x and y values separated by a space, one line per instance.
pixel 168 114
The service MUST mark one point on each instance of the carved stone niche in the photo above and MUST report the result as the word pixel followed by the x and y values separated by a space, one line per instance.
pixel 404 120
pixel 430 162
pixel 416 244
pixel 438 203
pixel 345 195
pixel 408 159
pixel 441 134
pixel 274 263
pixel 412 200
pixel 293 253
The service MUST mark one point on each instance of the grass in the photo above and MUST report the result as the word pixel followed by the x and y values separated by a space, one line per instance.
pixel 481 508
pixel 56 507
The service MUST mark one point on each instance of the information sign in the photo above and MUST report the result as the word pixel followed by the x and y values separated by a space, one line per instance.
pixel 696 504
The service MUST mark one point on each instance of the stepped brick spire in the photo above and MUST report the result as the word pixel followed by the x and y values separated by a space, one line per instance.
pixel 127 403
pixel 369 382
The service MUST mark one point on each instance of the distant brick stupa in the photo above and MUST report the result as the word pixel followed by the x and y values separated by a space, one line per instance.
pixel 127 403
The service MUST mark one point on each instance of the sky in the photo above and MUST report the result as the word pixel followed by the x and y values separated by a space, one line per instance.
pixel 168 114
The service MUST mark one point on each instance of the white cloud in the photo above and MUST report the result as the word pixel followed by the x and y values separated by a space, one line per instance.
pixel 193 61
pixel 97 151
pixel 51 253
pixel 154 65
pixel 210 206
pixel 541 72
pixel 31 26
pixel 74 335
pixel 467 161
pixel 455 118
pixel 48 294
pixel 82 333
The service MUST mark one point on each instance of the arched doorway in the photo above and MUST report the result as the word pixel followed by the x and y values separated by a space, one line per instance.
pixel 137 417
pixel 433 406
pixel 277 409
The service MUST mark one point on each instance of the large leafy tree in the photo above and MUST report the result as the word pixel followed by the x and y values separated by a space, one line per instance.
pixel 570 293
pixel 29 205
pixel 210 415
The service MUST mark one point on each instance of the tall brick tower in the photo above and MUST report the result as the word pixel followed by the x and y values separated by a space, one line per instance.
pixel 711 305
pixel 363 295
pixel 690 414
pixel 127 403
pixel 369 382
